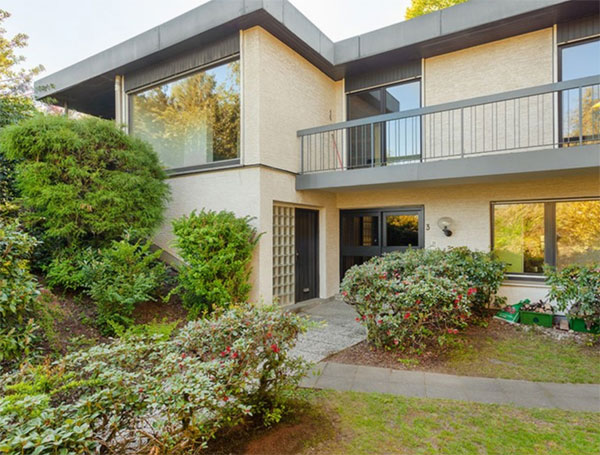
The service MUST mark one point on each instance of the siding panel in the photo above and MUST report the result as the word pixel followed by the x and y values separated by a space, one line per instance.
pixel 394 73
pixel 212 52
pixel 578 29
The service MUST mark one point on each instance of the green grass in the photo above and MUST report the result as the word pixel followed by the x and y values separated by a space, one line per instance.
pixel 386 424
pixel 519 354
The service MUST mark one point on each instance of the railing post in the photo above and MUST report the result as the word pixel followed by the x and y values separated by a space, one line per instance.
pixel 372 145
pixel 580 116
pixel 301 154
pixel 462 132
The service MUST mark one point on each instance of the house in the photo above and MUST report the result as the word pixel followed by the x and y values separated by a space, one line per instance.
pixel 477 125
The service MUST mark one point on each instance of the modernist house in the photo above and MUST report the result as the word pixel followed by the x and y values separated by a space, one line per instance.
pixel 478 125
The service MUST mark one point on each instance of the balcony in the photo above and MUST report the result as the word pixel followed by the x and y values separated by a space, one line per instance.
pixel 551 129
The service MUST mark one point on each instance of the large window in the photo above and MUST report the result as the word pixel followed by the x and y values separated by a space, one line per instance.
pixel 193 121
pixel 528 235
pixel 387 142
pixel 580 112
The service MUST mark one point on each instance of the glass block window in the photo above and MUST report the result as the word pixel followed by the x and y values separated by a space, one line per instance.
pixel 284 256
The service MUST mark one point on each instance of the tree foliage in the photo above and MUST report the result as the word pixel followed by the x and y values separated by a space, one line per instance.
pixel 421 7
pixel 84 182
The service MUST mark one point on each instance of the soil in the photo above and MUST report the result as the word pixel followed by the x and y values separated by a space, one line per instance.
pixel 288 437
pixel 74 314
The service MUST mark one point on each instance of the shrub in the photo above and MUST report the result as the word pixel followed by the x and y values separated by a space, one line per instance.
pixel 146 395
pixel 216 249
pixel 576 288
pixel 409 300
pixel 122 276
pixel 18 292
pixel 84 182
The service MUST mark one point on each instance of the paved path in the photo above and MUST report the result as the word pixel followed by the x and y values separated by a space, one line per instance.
pixel 340 332
pixel 577 397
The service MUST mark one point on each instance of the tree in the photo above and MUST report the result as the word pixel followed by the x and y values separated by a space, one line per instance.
pixel 15 81
pixel 421 7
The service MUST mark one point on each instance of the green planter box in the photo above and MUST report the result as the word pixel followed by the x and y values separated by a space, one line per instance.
pixel 533 318
pixel 508 316
pixel 578 325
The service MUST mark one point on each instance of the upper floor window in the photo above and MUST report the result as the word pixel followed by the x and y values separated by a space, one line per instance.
pixel 192 121
pixel 387 142
pixel 580 111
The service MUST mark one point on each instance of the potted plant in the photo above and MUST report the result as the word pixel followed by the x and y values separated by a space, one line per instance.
pixel 539 313
pixel 576 290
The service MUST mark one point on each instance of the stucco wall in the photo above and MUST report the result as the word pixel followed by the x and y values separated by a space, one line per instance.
pixel 282 93
pixel 509 64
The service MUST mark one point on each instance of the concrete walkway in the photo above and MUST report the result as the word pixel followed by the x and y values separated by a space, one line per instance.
pixel 576 397
pixel 340 331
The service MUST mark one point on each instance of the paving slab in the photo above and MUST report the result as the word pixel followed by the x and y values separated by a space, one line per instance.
pixel 340 330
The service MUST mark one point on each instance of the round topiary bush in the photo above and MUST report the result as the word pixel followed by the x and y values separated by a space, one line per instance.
pixel 84 182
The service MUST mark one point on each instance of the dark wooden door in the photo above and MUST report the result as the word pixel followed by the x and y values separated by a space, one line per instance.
pixel 307 254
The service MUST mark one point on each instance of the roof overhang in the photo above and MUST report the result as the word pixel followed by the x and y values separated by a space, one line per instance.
pixel 88 86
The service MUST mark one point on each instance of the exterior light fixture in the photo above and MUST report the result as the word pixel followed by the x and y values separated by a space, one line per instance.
pixel 444 223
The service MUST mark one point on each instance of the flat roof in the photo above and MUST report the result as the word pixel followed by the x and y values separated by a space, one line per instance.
pixel 88 85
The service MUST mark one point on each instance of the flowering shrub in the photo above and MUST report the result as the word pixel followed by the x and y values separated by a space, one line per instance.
pixel 408 300
pixel 576 288
pixel 18 292
pixel 147 395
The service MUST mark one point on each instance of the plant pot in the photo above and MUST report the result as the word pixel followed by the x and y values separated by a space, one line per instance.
pixel 578 325
pixel 533 318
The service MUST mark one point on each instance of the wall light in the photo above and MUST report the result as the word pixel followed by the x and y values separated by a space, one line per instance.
pixel 444 223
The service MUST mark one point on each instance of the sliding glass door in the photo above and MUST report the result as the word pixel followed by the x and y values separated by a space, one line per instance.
pixel 367 233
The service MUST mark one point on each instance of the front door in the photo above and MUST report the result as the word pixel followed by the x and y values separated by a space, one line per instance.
pixel 307 254
pixel 372 232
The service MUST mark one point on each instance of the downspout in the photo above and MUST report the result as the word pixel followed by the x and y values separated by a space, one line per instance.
pixel 119 104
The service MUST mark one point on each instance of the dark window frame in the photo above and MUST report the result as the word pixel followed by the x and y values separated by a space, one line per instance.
pixel 381 213
pixel 186 170
pixel 549 231
pixel 560 49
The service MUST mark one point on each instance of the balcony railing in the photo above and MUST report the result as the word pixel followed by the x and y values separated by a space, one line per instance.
pixel 562 114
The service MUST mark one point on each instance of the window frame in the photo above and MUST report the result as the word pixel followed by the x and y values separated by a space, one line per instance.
pixel 550 248
pixel 560 58
pixel 215 165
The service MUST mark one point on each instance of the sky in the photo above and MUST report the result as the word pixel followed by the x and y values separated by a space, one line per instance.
pixel 63 32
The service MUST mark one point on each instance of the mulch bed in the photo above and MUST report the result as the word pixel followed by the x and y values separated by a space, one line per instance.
pixel 365 354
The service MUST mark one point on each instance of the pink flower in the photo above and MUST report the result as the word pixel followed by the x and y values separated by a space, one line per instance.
pixel 274 348
pixel 471 291
pixel 379 321
pixel 183 355
pixel 357 319
pixel 396 342
pixel 225 398
pixel 344 293
pixel 407 315
pixel 364 317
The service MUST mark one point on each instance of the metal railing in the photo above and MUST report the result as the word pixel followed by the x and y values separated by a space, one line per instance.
pixel 562 114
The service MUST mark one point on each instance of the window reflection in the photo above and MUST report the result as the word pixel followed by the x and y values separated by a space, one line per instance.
pixel 191 121
pixel 402 230
pixel 577 232
pixel 519 236
pixel 360 230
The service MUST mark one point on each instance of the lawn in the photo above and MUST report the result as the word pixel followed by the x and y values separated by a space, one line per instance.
pixel 360 423
pixel 497 350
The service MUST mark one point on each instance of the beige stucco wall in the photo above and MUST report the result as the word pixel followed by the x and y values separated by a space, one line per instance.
pixel 282 93
pixel 509 64
pixel 469 207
